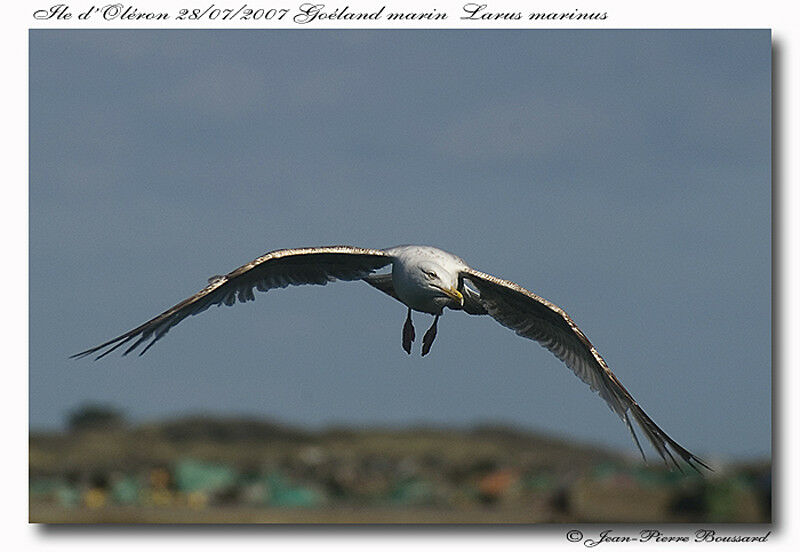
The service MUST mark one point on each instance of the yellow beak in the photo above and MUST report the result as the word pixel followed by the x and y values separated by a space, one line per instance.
pixel 455 294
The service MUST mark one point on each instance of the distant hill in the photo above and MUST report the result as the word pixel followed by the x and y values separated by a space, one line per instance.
pixel 245 441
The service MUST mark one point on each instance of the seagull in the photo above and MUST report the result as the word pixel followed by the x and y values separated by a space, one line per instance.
pixel 428 280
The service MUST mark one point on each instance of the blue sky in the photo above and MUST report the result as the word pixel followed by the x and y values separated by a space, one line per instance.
pixel 624 175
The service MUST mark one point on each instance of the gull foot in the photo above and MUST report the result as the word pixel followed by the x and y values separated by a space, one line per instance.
pixel 408 333
pixel 430 335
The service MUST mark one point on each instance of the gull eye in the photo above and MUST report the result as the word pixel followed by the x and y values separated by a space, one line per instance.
pixel 428 274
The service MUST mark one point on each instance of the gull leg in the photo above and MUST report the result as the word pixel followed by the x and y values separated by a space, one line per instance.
pixel 408 333
pixel 430 335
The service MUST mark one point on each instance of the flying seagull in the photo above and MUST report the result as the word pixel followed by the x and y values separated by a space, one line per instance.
pixel 424 279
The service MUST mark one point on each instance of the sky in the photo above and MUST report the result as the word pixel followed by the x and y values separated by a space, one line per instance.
pixel 623 175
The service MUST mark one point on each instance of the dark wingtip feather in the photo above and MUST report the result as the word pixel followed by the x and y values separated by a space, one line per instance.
pixel 153 342
pixel 116 342
pixel 114 348
pixel 706 466
pixel 663 442
pixel 635 437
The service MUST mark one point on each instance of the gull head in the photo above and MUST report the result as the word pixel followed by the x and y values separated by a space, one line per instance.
pixel 427 279
pixel 442 284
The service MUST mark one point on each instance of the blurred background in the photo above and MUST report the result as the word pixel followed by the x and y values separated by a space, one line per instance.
pixel 201 469
pixel 624 175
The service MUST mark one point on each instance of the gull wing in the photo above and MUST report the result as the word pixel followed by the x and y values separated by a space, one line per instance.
pixel 382 282
pixel 276 269
pixel 538 319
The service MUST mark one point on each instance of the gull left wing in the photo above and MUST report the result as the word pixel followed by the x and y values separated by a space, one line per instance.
pixel 538 319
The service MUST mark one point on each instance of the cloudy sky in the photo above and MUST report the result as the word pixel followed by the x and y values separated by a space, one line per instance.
pixel 624 175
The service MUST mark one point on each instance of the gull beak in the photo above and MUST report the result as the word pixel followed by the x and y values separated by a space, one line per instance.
pixel 455 295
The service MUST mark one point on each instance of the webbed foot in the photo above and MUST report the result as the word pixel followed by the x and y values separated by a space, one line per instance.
pixel 408 333
pixel 430 335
